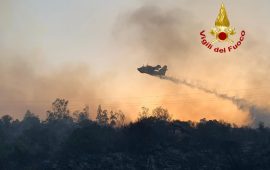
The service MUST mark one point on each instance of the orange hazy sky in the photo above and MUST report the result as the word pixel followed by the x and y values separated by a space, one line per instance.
pixel 88 52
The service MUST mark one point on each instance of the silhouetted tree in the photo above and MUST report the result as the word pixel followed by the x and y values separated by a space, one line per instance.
pixel 59 110
pixel 6 120
pixel 102 116
pixel 161 113
pixel 82 115
pixel 117 118
pixel 30 120
pixel 113 118
pixel 144 113
pixel 261 126
pixel 120 118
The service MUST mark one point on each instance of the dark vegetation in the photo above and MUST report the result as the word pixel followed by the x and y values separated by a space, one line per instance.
pixel 154 141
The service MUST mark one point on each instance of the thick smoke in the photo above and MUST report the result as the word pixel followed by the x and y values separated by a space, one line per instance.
pixel 168 37
pixel 257 114
pixel 24 85
pixel 160 32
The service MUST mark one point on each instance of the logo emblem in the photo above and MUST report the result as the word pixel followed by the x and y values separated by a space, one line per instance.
pixel 222 29
pixel 222 32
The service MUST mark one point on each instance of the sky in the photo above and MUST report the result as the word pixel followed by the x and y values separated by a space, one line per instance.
pixel 88 51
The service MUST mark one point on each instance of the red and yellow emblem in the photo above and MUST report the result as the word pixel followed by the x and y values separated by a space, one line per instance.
pixel 222 30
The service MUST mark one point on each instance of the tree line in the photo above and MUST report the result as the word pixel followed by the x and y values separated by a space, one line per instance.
pixel 66 140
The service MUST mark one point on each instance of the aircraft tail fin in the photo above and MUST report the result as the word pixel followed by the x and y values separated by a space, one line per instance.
pixel 163 70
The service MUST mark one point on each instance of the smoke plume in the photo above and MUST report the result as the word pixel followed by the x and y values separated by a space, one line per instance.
pixel 161 33
pixel 256 113
pixel 167 36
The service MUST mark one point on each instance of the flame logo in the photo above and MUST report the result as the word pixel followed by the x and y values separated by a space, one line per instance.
pixel 222 29
pixel 222 19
